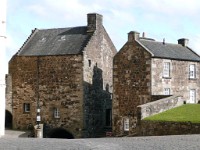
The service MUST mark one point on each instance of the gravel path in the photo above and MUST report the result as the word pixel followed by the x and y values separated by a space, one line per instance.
pixel 178 142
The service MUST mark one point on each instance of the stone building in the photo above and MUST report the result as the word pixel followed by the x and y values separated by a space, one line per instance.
pixel 66 73
pixel 146 70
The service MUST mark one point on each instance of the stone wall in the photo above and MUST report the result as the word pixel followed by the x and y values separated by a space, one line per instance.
pixel 98 87
pixel 131 84
pixel 179 77
pixel 154 128
pixel 52 82
pixel 158 106
pixel 9 93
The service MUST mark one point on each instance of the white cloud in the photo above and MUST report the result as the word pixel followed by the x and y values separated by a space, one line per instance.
pixel 158 18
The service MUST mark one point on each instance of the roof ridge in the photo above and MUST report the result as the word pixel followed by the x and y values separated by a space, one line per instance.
pixel 61 28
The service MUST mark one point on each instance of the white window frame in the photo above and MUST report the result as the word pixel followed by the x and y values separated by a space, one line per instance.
pixel 126 124
pixel 166 91
pixel 166 69
pixel 192 71
pixel 56 113
pixel 192 96
pixel 27 107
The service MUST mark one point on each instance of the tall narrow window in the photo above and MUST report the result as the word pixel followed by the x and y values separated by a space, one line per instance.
pixel 192 71
pixel 166 69
pixel 108 117
pixel 167 91
pixel 126 124
pixel 56 113
pixel 192 96
pixel 26 107
pixel 89 63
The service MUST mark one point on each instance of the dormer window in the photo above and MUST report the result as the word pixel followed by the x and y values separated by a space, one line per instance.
pixel 42 40
pixel 62 38
pixel 192 71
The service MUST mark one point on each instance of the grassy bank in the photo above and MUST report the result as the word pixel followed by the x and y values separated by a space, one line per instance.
pixel 184 113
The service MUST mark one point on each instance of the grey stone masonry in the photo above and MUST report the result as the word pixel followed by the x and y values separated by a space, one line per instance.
pixel 158 106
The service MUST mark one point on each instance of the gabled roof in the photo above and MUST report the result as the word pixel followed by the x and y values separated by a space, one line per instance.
pixel 59 41
pixel 169 51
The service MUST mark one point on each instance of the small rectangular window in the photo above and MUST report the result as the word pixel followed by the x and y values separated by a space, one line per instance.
pixel 26 107
pixel 167 91
pixel 56 113
pixel 192 71
pixel 166 69
pixel 126 124
pixel 89 63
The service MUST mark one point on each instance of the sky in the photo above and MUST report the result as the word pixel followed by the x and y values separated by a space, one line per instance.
pixel 169 19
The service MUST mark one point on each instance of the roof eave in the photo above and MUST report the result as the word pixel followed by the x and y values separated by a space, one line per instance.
pixel 175 59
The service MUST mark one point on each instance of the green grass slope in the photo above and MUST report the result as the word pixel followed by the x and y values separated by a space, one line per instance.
pixel 184 113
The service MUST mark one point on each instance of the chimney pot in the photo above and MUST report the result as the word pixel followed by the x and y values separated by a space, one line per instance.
pixel 94 21
pixel 184 42
pixel 133 35
pixel 143 34
pixel 163 41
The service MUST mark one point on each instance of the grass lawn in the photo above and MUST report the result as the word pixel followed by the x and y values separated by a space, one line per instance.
pixel 184 113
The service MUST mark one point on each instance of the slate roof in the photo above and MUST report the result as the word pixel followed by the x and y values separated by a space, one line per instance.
pixel 59 41
pixel 170 51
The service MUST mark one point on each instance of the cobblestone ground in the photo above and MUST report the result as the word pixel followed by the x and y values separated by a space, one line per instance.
pixel 178 142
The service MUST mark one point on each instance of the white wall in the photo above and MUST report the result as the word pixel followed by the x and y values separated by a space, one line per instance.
pixel 2 64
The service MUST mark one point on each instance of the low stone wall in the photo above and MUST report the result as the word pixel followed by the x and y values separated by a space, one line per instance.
pixel 158 106
pixel 155 128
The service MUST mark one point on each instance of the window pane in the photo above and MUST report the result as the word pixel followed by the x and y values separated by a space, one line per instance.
pixel 126 124
pixel 26 107
pixel 166 69
pixel 192 71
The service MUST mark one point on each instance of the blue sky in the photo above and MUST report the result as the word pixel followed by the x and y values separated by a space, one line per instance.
pixel 169 19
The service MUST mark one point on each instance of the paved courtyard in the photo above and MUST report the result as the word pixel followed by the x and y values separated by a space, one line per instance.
pixel 14 140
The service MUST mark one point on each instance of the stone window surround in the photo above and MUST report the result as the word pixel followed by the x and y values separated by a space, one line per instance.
pixel 166 69
pixel 192 71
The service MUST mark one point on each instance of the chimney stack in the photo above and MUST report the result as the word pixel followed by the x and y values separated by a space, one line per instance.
pixel 184 42
pixel 94 21
pixel 133 35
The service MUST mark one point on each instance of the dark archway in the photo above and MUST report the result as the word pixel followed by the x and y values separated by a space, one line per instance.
pixel 60 133
pixel 8 120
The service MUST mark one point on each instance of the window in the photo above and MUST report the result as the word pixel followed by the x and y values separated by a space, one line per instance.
pixel 126 124
pixel 26 107
pixel 192 71
pixel 167 91
pixel 108 117
pixel 166 69
pixel 89 63
pixel 192 96
pixel 56 113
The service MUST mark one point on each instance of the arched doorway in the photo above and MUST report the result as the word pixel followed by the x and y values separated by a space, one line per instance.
pixel 8 120
pixel 60 133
